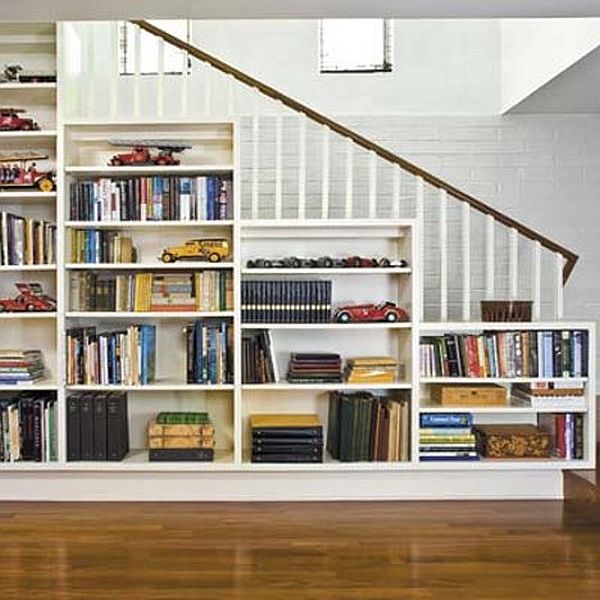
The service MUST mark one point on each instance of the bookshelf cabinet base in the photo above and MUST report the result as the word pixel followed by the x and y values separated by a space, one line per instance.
pixel 277 486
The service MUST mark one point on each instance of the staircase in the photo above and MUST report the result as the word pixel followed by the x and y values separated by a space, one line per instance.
pixel 300 164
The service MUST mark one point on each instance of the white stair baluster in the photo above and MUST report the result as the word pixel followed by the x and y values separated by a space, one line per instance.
pixel 349 177
pixel 536 283
pixel 466 261
pixel 137 43
pixel 489 257
pixel 160 92
pixel 278 166
pixel 372 185
pixel 208 74
pixel 513 263
pixel 420 218
pixel 255 159
pixel 396 191
pixel 115 69
pixel 443 195
pixel 325 173
pixel 559 305
pixel 302 167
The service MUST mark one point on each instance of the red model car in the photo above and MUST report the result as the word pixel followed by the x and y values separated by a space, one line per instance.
pixel 20 172
pixel 141 155
pixel 358 313
pixel 31 298
pixel 11 121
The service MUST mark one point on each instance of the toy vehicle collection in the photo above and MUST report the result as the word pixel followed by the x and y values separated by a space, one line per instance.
pixel 17 74
pixel 31 298
pixel 361 313
pixel 324 262
pixel 11 121
pixel 19 171
pixel 213 250
pixel 141 155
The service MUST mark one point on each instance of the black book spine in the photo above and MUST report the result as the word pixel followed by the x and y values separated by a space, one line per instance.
pixel 73 434
pixel 181 454
pixel 113 429
pixel 100 450
pixel 87 427
pixel 37 416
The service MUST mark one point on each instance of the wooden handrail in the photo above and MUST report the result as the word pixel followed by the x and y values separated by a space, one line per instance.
pixel 569 256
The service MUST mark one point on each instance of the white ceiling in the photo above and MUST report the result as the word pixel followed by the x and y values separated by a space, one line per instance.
pixel 46 10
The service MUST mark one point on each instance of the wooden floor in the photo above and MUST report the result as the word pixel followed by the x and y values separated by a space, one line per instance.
pixel 464 550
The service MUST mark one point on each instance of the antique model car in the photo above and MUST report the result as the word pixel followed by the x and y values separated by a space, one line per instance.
pixel 11 121
pixel 358 313
pixel 31 298
pixel 213 250
pixel 140 155
pixel 16 73
pixel 20 172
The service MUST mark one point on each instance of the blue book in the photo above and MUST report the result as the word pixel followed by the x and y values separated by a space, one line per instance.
pixel 198 353
pixel 150 352
pixel 446 420
pixel 548 353
pixel 212 354
pixel 211 198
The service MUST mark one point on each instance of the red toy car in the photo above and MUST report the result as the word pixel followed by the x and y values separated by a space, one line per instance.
pixel 16 173
pixel 11 121
pixel 31 298
pixel 141 155
pixel 359 313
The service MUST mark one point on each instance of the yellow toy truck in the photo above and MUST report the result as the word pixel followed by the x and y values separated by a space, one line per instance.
pixel 213 250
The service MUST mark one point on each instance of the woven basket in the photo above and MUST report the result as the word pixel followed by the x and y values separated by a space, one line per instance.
pixel 503 311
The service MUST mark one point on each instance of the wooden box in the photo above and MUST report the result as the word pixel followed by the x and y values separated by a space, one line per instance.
pixel 468 395
pixel 512 441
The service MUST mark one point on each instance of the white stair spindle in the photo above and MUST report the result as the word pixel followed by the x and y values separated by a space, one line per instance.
pixel 372 185
pixel 325 173
pixel 207 79
pixel 396 191
pixel 137 43
pixel 443 255
pixel 513 264
pixel 560 263
pixel 302 167
pixel 114 69
pixel 536 283
pixel 255 159
pixel 160 92
pixel 278 166
pixel 91 57
pixel 230 95
pixel 420 219
pixel 466 261
pixel 489 257
pixel 349 177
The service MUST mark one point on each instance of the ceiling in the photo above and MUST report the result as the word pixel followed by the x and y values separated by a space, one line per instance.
pixel 45 10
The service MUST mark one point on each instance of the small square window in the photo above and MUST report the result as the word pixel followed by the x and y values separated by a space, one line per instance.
pixel 355 45
pixel 175 61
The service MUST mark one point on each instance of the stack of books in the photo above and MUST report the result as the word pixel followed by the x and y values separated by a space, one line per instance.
pixel 258 357
pixel 209 352
pixel 317 367
pixel 122 357
pixel 28 427
pixel 25 241
pixel 101 246
pixel 97 426
pixel 371 369
pixel 21 367
pixel 549 395
pixel 446 437
pixel 181 436
pixel 366 427
pixel 547 353
pixel 286 301
pixel 142 292
pixel 286 438
pixel 566 433
pixel 159 198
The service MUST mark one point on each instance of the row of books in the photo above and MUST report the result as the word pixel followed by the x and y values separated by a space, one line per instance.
pixel 28 427
pixel 446 437
pixel 566 433
pixel 21 366
pixel 25 241
pixel 141 292
pixel 209 352
pixel 97 426
pixel 506 354
pixel 258 357
pixel 286 438
pixel 286 301
pixel 125 356
pixel 158 198
pixel 366 427
pixel 101 246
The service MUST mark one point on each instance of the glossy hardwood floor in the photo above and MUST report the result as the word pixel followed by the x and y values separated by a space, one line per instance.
pixel 478 550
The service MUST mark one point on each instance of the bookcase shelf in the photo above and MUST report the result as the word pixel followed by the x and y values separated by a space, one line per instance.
pixel 468 380
pixel 146 224
pixel 154 266
pixel 28 87
pixel 17 268
pixel 335 326
pixel 498 409
pixel 26 136
pixel 333 271
pixel 181 315
pixel 285 386
pixel 27 315
pixel 150 170
pixel 159 386
pixel 27 195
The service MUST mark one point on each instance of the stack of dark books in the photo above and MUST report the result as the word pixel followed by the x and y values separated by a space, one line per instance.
pixel 286 438
pixel 317 367
pixel 97 426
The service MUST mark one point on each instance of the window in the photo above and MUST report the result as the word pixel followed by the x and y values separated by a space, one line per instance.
pixel 355 45
pixel 175 60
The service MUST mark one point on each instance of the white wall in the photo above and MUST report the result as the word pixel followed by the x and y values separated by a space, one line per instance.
pixel 534 51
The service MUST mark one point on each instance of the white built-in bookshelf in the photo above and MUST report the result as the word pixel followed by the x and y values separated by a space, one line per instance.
pixel 83 151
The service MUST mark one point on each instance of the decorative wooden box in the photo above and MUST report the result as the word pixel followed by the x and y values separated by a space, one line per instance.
pixel 468 395
pixel 512 441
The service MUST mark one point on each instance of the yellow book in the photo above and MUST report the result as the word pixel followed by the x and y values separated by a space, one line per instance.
pixel 374 378
pixel 293 420
pixel 366 361
pixel 198 276
pixel 158 429
pixel 187 441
